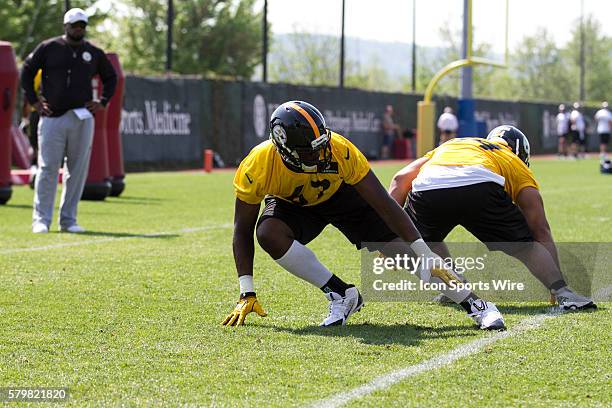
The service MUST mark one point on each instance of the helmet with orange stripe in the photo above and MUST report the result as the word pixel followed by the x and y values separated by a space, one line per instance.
pixel 298 131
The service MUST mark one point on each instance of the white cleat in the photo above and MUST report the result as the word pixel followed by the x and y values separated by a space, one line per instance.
pixel 340 308
pixel 39 228
pixel 486 315
pixel 569 300
pixel 73 229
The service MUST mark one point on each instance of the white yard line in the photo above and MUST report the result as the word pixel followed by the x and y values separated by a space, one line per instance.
pixel 112 239
pixel 387 380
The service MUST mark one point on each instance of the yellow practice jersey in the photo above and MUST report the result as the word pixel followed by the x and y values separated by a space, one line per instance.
pixel 263 173
pixel 494 156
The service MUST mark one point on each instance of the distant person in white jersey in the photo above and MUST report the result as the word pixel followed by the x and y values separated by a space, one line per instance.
pixel 562 131
pixel 448 125
pixel 577 127
pixel 603 117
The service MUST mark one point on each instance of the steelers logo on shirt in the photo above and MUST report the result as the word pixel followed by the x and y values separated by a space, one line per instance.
pixel 86 56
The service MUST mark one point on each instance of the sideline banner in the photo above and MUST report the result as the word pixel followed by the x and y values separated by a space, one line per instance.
pixel 160 121
pixel 353 113
pixel 167 122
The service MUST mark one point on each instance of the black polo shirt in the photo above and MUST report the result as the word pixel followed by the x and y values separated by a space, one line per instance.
pixel 67 72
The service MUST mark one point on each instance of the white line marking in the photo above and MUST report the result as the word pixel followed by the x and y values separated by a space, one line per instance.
pixel 109 239
pixel 387 380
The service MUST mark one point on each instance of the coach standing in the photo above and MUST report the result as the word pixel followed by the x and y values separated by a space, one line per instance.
pixel 66 107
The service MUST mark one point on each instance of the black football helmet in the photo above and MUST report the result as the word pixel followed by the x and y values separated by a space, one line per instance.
pixel 298 131
pixel 515 139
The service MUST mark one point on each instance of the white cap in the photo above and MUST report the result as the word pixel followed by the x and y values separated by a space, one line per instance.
pixel 74 15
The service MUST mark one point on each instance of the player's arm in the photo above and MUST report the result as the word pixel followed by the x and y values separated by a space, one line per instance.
pixel 389 210
pixel 245 218
pixel 398 221
pixel 531 204
pixel 401 184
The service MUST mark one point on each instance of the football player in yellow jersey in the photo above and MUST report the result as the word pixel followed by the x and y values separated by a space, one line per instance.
pixel 309 177
pixel 494 195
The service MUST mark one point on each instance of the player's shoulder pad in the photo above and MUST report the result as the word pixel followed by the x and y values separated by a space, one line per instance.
pixel 338 138
pixel 259 154
pixel 340 144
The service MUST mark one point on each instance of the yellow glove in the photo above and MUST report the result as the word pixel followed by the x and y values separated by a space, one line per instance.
pixel 248 303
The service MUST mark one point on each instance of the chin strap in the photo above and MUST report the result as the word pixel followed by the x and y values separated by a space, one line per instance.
pixel 310 169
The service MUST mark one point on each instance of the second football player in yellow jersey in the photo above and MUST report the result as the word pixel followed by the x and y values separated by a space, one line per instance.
pixel 309 177
pixel 486 186
pixel 479 160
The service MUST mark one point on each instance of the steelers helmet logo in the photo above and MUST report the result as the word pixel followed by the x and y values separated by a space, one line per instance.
pixel 279 134
pixel 499 131
pixel 86 56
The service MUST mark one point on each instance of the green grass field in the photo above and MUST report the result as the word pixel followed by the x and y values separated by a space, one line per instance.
pixel 128 313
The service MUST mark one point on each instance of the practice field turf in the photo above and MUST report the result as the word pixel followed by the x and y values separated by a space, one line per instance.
pixel 129 313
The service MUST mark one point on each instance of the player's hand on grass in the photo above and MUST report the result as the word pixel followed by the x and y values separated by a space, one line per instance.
pixel 248 303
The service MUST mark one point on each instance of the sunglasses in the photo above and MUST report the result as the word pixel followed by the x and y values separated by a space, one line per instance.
pixel 78 24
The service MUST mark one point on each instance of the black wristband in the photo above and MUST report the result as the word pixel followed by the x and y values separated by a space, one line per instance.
pixel 245 294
